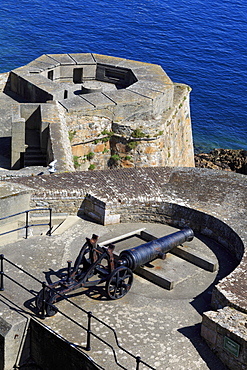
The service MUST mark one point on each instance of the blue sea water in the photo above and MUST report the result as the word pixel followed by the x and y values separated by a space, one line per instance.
pixel 197 42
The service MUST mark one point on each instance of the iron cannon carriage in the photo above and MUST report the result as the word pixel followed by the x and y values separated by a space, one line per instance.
pixel 95 265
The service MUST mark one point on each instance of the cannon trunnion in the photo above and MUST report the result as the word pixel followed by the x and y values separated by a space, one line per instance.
pixel 95 265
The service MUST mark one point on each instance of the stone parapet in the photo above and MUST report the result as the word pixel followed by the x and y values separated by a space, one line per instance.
pixel 225 333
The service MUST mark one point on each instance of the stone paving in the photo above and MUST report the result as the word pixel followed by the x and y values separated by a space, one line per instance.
pixel 161 326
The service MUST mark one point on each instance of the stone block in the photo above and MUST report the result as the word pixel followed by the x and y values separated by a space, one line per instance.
pixel 66 72
pixel 129 104
pixel 51 351
pixel 79 150
pixel 62 59
pixel 96 209
pixel 76 103
pixel 14 199
pixel 12 331
pixel 107 59
pixel 83 58
pixel 99 209
pixel 88 71
pixel 111 219
pixel 208 334
pixel 99 148
pixel 98 100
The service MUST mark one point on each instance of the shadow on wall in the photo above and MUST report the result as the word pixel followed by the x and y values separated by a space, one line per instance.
pixel 193 334
pixel 202 302
pixel 227 263
pixel 39 348
pixel 5 143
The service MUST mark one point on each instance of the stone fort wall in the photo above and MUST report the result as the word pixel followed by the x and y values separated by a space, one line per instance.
pixel 116 112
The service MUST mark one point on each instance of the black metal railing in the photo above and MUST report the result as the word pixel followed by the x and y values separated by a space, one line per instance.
pixel 90 316
pixel 27 221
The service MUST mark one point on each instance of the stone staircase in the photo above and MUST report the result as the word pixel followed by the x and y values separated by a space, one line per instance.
pixel 33 155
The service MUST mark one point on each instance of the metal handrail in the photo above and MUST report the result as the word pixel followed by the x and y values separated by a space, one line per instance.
pixel 90 316
pixel 27 224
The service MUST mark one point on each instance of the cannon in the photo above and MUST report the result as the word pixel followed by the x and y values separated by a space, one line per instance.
pixel 95 265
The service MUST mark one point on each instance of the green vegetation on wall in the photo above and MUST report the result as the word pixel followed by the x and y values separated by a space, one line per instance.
pixel 115 157
pixel 132 145
pixel 138 133
pixel 76 163
pixel 71 134
pixel 90 156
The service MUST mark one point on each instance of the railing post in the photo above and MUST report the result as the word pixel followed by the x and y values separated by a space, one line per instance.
pixel 50 225
pixel 26 224
pixel 43 300
pixel 138 360
pixel 2 273
pixel 69 271
pixel 89 315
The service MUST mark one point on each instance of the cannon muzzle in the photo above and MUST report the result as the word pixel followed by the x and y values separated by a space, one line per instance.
pixel 144 253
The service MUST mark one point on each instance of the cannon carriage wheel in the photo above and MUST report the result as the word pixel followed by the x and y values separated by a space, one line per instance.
pixel 119 282
pixel 50 309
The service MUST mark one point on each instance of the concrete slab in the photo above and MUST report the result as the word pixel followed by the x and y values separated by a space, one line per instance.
pixel 173 270
pixel 107 59
pixel 48 61
pixel 76 104
pixel 86 58
pixel 99 100
pixel 150 90
pixel 62 59
pixel 126 97
pixel 134 64
pixel 40 64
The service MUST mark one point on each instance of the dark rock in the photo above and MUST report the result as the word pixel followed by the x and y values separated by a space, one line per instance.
pixel 223 159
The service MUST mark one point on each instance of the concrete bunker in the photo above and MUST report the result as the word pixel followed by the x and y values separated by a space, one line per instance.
pixel 35 87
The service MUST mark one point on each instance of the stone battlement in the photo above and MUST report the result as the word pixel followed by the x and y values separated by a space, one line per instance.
pixel 92 111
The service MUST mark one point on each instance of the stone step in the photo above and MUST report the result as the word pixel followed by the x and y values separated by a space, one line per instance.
pixel 34 157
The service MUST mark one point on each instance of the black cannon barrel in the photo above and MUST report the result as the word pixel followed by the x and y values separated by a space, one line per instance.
pixel 144 253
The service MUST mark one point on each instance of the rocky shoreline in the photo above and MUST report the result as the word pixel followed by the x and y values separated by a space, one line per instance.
pixel 223 159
